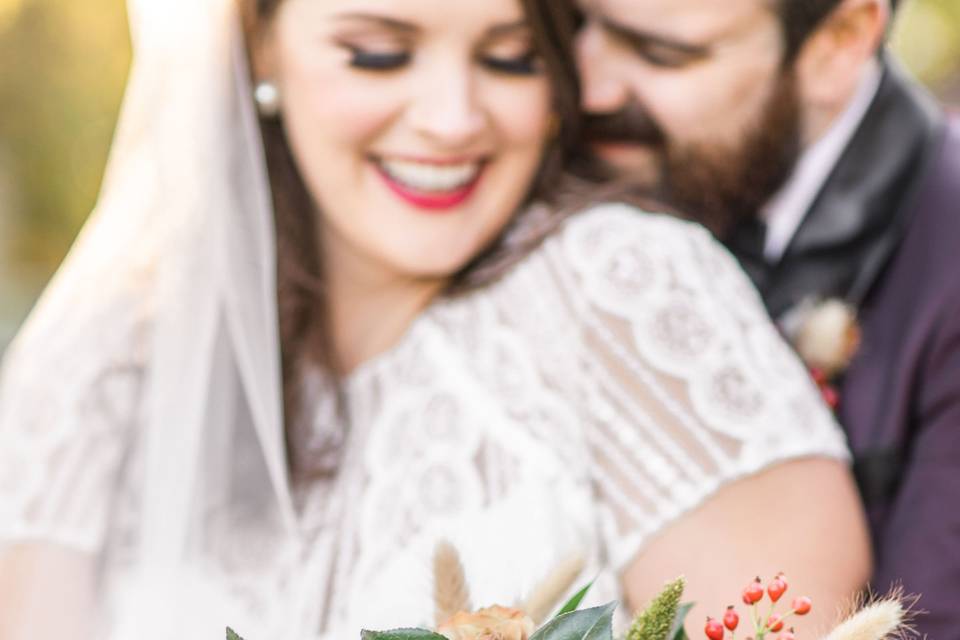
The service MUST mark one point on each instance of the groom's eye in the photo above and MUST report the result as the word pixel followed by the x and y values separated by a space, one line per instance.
pixel 657 50
pixel 665 56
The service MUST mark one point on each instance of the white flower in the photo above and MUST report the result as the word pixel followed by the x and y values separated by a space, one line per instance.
pixel 828 336
pixel 493 623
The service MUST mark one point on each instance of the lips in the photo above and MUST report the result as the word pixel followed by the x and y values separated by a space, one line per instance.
pixel 431 185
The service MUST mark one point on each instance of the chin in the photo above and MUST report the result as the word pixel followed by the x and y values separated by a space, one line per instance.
pixel 430 265
pixel 639 164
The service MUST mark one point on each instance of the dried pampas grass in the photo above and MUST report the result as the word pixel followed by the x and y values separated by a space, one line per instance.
pixel 886 618
pixel 546 596
pixel 451 595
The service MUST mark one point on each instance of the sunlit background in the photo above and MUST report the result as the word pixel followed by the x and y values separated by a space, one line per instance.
pixel 63 64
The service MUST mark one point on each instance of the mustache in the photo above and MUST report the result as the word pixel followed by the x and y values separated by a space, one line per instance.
pixel 630 125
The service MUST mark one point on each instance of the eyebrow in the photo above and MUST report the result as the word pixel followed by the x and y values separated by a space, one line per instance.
pixel 496 31
pixel 383 21
pixel 639 39
pixel 507 28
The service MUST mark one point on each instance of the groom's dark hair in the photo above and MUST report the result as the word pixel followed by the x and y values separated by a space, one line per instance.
pixel 800 18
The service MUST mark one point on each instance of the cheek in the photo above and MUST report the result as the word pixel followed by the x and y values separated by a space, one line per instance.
pixel 714 103
pixel 327 108
pixel 521 114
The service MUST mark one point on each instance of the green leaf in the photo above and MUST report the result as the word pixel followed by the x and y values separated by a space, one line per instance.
pixel 676 631
pixel 575 601
pixel 401 634
pixel 589 624
pixel 232 635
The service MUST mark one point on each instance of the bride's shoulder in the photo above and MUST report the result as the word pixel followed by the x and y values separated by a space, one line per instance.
pixel 624 264
pixel 602 226
pixel 628 217
pixel 635 251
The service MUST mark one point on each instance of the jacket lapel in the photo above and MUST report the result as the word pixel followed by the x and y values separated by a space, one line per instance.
pixel 859 217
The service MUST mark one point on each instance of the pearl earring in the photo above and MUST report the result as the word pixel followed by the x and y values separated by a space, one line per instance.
pixel 267 97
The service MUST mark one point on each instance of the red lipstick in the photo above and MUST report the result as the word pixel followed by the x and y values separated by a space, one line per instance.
pixel 432 202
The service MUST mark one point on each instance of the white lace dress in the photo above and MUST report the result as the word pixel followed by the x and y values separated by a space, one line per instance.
pixel 611 382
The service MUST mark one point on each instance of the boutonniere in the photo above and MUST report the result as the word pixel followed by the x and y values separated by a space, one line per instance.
pixel 826 336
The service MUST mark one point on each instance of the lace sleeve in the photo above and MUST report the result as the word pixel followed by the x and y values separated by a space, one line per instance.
pixel 686 383
pixel 68 395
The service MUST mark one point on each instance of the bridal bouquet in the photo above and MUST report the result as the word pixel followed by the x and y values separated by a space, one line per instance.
pixel 663 619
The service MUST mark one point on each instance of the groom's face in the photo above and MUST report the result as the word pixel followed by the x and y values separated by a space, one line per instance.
pixel 691 100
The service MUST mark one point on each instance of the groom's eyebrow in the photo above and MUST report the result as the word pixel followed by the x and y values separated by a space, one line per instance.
pixel 639 39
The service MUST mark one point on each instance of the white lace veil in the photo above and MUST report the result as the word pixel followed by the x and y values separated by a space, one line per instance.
pixel 186 191
pixel 218 311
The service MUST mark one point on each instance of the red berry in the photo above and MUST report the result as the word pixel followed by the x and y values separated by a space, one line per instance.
pixel 802 605
pixel 775 623
pixel 753 593
pixel 830 396
pixel 731 619
pixel 714 629
pixel 819 376
pixel 776 587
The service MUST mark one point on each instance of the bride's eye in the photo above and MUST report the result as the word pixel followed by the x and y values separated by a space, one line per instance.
pixel 377 60
pixel 527 64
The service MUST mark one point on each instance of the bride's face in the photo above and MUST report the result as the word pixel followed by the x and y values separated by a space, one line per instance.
pixel 418 125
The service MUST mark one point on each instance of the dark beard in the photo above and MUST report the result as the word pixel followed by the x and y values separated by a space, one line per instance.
pixel 715 185
pixel 720 187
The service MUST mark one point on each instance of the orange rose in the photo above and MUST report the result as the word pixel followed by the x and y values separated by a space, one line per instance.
pixel 492 623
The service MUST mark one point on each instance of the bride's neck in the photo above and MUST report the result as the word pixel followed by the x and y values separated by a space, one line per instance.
pixel 370 307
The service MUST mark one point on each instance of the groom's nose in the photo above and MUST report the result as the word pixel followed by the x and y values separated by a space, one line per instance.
pixel 602 90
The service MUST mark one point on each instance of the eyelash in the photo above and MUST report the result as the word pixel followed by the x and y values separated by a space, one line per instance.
pixel 377 61
pixel 670 59
pixel 664 61
pixel 525 65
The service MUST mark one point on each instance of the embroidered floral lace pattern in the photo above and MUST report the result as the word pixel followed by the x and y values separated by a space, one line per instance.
pixel 610 383
pixel 66 421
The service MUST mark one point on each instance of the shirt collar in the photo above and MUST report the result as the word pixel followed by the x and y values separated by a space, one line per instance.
pixel 786 210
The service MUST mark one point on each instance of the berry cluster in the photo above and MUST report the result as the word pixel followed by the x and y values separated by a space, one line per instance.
pixel 829 392
pixel 762 626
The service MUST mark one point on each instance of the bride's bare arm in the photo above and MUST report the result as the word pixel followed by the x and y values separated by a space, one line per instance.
pixel 802 517
pixel 46 593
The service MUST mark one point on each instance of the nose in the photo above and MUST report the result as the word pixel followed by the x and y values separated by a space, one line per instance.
pixel 602 90
pixel 447 109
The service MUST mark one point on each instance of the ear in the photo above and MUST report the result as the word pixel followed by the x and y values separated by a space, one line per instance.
pixel 831 62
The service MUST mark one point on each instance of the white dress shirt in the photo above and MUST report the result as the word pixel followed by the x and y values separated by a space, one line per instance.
pixel 786 210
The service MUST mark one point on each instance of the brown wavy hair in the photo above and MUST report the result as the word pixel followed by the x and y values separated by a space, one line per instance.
pixel 306 344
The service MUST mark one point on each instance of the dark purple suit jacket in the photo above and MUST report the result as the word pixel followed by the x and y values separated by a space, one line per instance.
pixel 885 234
pixel 901 401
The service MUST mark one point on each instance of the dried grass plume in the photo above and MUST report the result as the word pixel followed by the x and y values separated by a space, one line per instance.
pixel 546 596
pixel 885 618
pixel 451 595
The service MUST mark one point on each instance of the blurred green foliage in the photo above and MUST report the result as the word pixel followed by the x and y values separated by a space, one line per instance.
pixel 927 38
pixel 63 64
